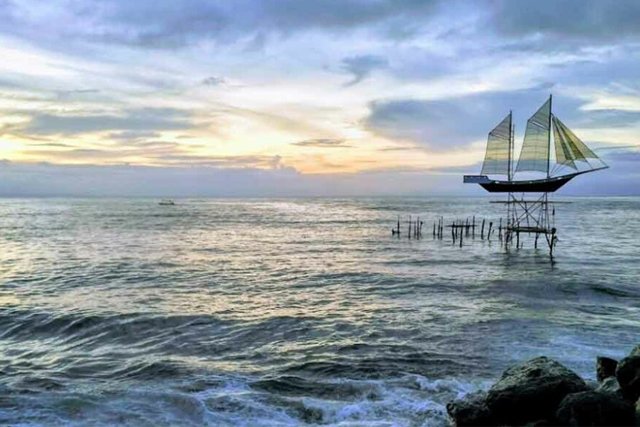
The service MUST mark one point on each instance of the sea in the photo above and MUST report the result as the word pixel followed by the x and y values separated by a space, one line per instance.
pixel 294 312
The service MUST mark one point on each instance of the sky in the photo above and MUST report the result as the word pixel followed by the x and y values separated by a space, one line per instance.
pixel 304 98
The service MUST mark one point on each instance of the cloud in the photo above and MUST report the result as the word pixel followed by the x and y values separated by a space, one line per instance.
pixel 621 178
pixel 132 135
pixel 243 180
pixel 214 81
pixel 610 119
pixel 166 153
pixel 362 66
pixel 322 143
pixel 133 120
pixel 171 24
pixel 30 179
pixel 451 124
pixel 64 95
pixel 587 21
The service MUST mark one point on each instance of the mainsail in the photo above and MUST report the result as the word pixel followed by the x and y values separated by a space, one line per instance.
pixel 535 149
pixel 497 159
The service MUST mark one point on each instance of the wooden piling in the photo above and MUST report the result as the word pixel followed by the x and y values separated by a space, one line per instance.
pixel 473 227
pixel 482 230
pixel 489 233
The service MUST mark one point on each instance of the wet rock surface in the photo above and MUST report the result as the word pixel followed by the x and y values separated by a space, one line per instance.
pixel 594 408
pixel 628 375
pixel 471 411
pixel 543 392
pixel 532 391
pixel 605 368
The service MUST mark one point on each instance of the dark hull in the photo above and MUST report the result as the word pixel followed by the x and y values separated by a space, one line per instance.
pixel 548 185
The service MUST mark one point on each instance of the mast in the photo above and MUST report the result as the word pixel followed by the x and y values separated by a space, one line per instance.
pixel 511 131
pixel 549 140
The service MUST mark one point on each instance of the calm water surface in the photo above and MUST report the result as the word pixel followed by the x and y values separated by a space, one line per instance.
pixel 292 312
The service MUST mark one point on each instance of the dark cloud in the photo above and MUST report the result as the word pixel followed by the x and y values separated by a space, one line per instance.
pixel 173 24
pixel 170 24
pixel 587 20
pixel 322 143
pixel 453 123
pixel 134 120
pixel 362 66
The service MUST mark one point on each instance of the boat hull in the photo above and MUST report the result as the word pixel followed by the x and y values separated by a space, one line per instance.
pixel 548 185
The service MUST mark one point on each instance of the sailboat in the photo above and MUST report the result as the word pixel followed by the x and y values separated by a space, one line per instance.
pixel 572 156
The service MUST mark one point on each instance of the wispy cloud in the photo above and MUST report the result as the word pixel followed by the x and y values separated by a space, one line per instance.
pixel 214 81
pixel 137 120
pixel 322 143
pixel 362 66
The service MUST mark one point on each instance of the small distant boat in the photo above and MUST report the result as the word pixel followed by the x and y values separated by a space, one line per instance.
pixel 166 202
pixel 572 156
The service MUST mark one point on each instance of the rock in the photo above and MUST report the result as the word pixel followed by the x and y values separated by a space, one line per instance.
pixel 531 391
pixel 635 351
pixel 605 368
pixel 470 411
pixel 593 408
pixel 610 385
pixel 628 375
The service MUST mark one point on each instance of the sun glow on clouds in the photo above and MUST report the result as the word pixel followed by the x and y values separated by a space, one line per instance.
pixel 321 88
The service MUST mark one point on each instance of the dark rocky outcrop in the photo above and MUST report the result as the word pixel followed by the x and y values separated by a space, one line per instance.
pixel 531 391
pixel 610 385
pixel 593 408
pixel 605 368
pixel 470 411
pixel 628 375
pixel 542 392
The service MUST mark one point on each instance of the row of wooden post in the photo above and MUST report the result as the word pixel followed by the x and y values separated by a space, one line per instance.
pixel 461 229
pixel 414 229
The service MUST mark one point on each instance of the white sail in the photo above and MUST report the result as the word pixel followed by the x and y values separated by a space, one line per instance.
pixel 565 156
pixel 497 158
pixel 578 148
pixel 535 149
